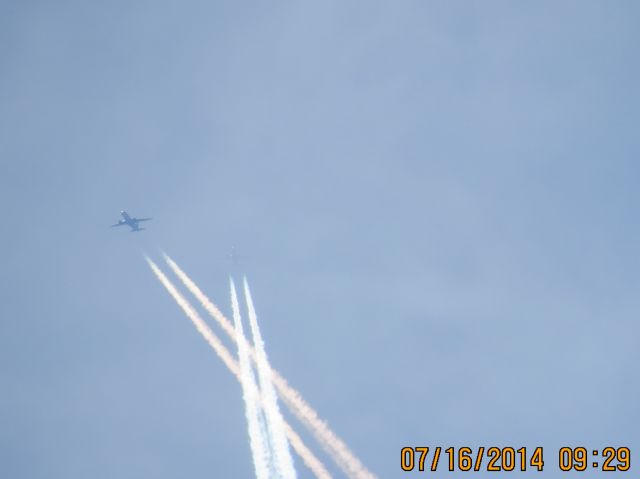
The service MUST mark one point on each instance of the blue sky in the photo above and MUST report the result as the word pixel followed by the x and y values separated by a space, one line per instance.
pixel 438 201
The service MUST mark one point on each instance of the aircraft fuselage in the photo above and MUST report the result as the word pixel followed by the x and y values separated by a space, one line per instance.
pixel 133 223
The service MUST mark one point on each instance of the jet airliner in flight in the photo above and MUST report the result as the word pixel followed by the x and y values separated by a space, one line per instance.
pixel 131 222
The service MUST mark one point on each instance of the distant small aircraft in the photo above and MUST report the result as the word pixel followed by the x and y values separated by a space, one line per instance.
pixel 131 222
pixel 234 257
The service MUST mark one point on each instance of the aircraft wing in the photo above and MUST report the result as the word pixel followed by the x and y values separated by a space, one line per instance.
pixel 119 224
pixel 142 219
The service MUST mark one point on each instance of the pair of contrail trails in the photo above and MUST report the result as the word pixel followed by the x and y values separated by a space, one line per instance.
pixel 330 442
pixel 280 457
pixel 258 439
pixel 273 416
pixel 310 460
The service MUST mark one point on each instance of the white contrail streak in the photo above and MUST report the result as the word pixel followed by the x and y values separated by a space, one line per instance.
pixel 277 434
pixel 262 458
pixel 310 460
pixel 257 443
pixel 336 447
pixel 197 321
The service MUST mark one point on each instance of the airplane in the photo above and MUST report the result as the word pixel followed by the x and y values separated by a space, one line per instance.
pixel 234 257
pixel 131 222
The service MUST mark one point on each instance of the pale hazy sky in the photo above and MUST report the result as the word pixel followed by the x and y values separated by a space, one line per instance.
pixel 438 201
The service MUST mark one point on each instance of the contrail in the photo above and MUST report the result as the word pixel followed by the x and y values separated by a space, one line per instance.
pixel 211 308
pixel 310 460
pixel 262 458
pixel 336 447
pixel 197 321
pixel 277 434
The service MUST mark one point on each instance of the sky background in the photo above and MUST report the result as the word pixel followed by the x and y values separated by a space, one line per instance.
pixel 438 201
